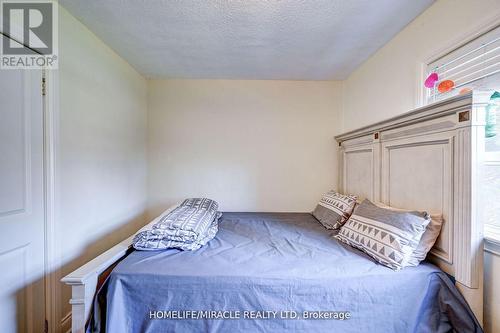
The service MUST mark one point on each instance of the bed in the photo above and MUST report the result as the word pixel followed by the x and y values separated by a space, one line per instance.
pixel 426 159
pixel 281 265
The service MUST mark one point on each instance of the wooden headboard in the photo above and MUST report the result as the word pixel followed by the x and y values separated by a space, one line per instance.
pixel 428 159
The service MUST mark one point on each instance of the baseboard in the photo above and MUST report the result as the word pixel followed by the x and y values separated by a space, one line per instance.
pixel 66 323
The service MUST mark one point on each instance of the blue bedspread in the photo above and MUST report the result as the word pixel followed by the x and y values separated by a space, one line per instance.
pixel 276 262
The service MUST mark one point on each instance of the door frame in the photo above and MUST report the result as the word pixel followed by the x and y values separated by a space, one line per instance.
pixel 52 260
pixel 50 92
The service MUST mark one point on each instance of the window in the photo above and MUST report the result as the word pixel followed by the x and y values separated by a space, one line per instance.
pixel 476 66
pixel 491 196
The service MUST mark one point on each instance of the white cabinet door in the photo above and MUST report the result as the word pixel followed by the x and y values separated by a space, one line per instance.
pixel 22 297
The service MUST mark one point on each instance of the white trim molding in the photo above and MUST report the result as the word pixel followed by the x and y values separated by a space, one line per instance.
pixel 492 239
pixel 52 252
pixel 492 245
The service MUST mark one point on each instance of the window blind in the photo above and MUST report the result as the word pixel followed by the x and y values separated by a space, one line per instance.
pixel 475 64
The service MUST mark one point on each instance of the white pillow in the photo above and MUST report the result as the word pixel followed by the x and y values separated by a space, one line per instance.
pixel 428 239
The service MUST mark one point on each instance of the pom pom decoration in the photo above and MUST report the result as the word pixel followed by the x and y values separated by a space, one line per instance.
pixel 445 86
pixel 464 91
pixel 431 80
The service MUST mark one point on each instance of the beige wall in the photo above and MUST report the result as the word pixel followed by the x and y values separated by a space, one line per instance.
pixel 251 145
pixel 387 84
pixel 101 166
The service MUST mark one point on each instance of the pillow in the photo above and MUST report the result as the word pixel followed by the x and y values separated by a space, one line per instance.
pixel 334 209
pixel 428 239
pixel 149 226
pixel 388 236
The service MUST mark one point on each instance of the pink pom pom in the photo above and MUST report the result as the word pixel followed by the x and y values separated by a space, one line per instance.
pixel 431 80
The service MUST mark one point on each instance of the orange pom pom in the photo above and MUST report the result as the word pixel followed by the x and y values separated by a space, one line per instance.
pixel 446 86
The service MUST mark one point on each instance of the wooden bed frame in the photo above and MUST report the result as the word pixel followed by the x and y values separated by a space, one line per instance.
pixel 427 159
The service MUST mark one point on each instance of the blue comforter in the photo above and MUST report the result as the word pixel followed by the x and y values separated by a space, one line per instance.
pixel 275 272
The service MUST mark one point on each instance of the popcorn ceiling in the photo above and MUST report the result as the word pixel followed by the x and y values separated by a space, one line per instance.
pixel 246 39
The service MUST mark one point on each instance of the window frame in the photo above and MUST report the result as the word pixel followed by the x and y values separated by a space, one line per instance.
pixel 460 55
pixel 475 32
pixel 491 232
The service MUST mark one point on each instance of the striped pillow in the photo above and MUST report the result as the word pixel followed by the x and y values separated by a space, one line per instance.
pixel 390 237
pixel 334 209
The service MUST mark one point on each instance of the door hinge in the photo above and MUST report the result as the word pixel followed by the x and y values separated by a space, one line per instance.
pixel 46 326
pixel 44 87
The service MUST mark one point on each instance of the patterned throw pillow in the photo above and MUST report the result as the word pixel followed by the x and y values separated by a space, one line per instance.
pixel 334 209
pixel 428 239
pixel 388 236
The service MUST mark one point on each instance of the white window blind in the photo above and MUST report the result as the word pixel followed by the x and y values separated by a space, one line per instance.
pixel 474 65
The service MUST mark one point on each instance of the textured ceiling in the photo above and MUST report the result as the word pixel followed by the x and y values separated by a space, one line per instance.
pixel 246 39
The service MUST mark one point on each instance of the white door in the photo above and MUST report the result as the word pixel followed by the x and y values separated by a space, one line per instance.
pixel 22 297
